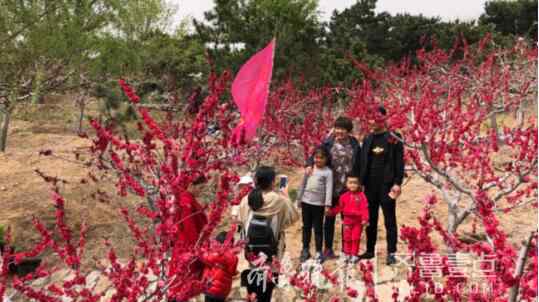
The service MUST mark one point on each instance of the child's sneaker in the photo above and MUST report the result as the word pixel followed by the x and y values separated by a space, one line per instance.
pixel 320 257
pixel 329 254
pixel 304 255
pixel 391 259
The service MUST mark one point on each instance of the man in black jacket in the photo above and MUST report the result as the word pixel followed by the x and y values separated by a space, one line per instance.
pixel 381 174
pixel 344 153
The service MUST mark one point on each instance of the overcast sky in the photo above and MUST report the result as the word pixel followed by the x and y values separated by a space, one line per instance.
pixel 446 9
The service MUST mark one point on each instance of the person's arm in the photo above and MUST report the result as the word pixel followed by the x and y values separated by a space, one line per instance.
pixel 302 189
pixel 333 211
pixel 362 166
pixel 290 213
pixel 211 259
pixel 294 215
pixel 234 265
pixel 364 210
pixel 338 208
pixel 399 161
pixel 199 216
pixel 329 188
pixel 243 212
pixel 356 164
pixel 310 161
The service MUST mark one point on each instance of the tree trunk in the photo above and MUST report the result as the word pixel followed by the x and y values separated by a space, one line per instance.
pixel 3 131
pixel 82 106
pixel 452 224
pixel 519 266
pixel 520 113
pixel 452 211
pixel 452 214
pixel 456 217
pixel 494 126
pixel 36 91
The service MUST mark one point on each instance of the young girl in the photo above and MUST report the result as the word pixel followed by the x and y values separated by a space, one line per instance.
pixel 314 196
pixel 355 210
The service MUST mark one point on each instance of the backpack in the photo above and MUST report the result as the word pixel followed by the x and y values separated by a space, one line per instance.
pixel 260 237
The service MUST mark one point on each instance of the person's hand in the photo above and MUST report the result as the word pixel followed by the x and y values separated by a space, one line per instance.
pixel 308 170
pixel 396 191
pixel 330 133
pixel 328 211
pixel 284 191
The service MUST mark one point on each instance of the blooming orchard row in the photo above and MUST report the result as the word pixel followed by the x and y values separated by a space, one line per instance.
pixel 448 107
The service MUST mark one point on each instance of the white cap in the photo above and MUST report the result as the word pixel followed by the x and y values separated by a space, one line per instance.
pixel 246 180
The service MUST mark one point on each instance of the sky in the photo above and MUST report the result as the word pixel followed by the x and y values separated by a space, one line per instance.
pixel 446 9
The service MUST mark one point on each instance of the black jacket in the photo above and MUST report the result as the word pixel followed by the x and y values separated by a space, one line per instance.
pixel 394 159
pixel 328 144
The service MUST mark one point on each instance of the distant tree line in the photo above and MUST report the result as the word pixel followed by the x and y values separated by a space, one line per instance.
pixel 84 46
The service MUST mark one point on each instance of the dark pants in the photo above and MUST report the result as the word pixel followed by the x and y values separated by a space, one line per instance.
pixel 329 226
pixel 377 195
pixel 313 217
pixel 209 298
pixel 254 281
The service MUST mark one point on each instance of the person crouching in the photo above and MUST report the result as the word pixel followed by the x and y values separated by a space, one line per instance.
pixel 219 270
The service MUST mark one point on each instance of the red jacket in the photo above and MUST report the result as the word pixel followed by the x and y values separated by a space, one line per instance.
pixel 190 220
pixel 354 207
pixel 219 269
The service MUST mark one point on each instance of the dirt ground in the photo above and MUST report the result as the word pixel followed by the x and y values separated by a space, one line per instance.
pixel 24 195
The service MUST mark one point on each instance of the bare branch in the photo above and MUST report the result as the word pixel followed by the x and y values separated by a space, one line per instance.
pixel 519 266
pixel 515 206
pixel 521 177
pixel 452 181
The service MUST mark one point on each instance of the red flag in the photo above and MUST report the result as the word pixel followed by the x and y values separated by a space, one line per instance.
pixel 250 91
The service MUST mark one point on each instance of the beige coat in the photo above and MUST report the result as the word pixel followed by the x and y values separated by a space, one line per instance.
pixel 278 208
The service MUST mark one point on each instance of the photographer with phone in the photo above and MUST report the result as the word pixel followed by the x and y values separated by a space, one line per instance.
pixel 264 215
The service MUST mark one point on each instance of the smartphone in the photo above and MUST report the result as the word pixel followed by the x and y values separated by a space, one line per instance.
pixel 283 182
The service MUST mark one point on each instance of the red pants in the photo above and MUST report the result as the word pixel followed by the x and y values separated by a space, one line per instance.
pixel 351 238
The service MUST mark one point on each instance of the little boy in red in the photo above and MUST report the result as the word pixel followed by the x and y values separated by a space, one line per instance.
pixel 219 271
pixel 355 210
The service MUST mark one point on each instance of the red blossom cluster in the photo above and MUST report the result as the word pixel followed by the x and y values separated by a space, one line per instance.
pixel 367 275
pixel 297 121
pixel 500 260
